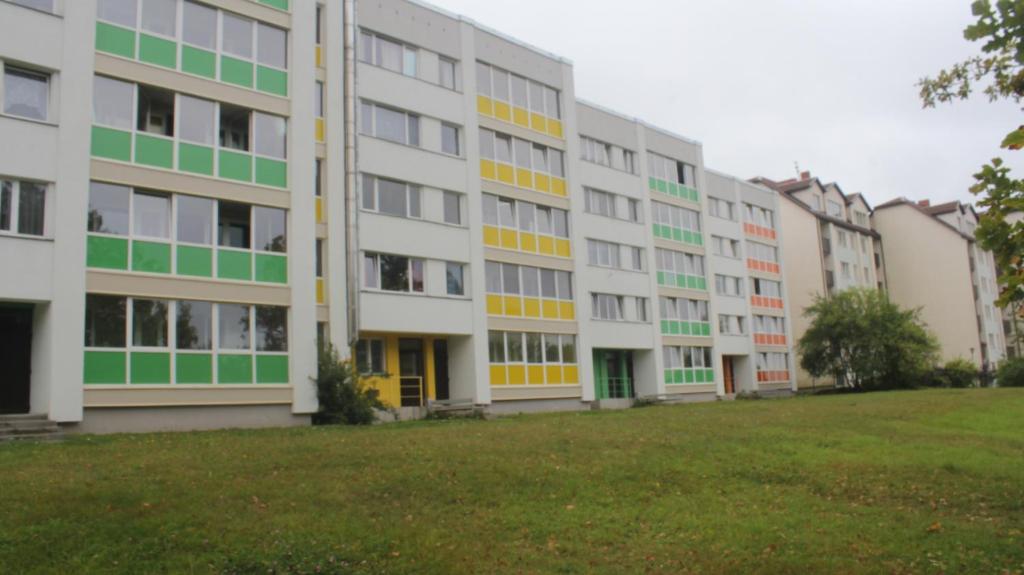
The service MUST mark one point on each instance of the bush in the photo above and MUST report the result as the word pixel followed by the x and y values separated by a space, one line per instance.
pixel 343 397
pixel 957 373
pixel 1011 373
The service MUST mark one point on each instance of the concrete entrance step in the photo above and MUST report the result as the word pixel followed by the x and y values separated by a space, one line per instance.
pixel 32 427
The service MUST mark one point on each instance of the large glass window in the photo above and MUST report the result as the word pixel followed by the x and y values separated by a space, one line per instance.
pixel 233 323
pixel 234 127
pixel 22 207
pixel 199 25
pixel 390 125
pixel 108 208
pixel 271 328
pixel 450 139
pixel 121 12
pixel 151 215
pixel 370 356
pixel 233 225
pixel 26 93
pixel 237 34
pixel 112 103
pixel 149 323
pixel 454 278
pixel 452 208
pixel 156 111
pixel 194 325
pixel 271 135
pixel 269 232
pixel 160 16
pixel 196 123
pixel 446 73
pixel 105 318
pixel 272 46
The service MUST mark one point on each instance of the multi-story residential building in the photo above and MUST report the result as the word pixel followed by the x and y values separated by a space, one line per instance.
pixel 217 185
pixel 1013 315
pixel 957 301
pixel 831 236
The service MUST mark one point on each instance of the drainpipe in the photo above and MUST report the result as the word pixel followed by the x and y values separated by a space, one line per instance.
pixel 351 222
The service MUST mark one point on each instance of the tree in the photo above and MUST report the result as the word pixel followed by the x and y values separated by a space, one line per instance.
pixel 343 396
pixel 1001 29
pixel 866 342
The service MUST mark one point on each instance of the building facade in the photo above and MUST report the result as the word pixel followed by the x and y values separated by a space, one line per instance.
pixel 217 186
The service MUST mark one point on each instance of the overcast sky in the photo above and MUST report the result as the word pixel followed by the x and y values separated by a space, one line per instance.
pixel 828 84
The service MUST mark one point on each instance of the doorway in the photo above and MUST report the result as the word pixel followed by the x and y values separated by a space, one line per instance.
pixel 728 375
pixel 441 369
pixel 15 359
pixel 613 373
pixel 410 372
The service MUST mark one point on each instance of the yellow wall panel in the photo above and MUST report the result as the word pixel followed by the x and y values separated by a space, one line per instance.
pixel 509 239
pixel 566 310
pixel 491 236
pixel 319 290
pixel 527 242
pixel 494 306
pixel 531 307
pixel 554 373
pixel 319 57
pixel 517 375
pixel 488 171
pixel 555 128
pixel 320 129
pixel 550 309
pixel 319 210
pixel 538 122
pixel 570 374
pixel 513 306
pixel 536 374
pixel 521 117
pixel 558 186
pixel 524 178
pixel 562 248
pixel 484 105
pixel 498 376
pixel 546 245
pixel 542 182
pixel 502 111
pixel 505 174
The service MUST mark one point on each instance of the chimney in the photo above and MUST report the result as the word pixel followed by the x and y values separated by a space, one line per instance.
pixel 804 176
pixel 925 203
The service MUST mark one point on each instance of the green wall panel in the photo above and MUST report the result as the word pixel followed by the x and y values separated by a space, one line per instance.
pixel 235 71
pixel 234 265
pixel 195 159
pixel 151 151
pixel 151 257
pixel 158 51
pixel 270 268
pixel 234 368
pixel 195 261
pixel 271 369
pixel 235 166
pixel 193 368
pixel 111 143
pixel 198 62
pixel 151 367
pixel 104 367
pixel 271 172
pixel 115 40
pixel 282 4
pixel 107 253
pixel 271 80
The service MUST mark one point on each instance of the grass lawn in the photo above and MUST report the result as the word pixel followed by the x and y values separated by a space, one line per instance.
pixel 902 482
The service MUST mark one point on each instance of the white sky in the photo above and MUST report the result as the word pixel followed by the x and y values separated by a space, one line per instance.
pixel 766 83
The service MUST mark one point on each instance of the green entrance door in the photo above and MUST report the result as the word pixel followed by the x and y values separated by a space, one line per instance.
pixel 613 373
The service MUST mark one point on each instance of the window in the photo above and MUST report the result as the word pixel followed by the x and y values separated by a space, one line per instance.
pixel 641 309
pixel 731 325
pixel 392 125
pixel 816 202
pixel 446 73
pixel 861 219
pixel 26 93
pixel 759 216
pixel 269 229
pixel 725 247
pixel 108 208
pixel 454 278
pixel 675 217
pixel 629 161
pixel 720 208
pixel 22 207
pixel 728 285
pixel 393 273
pixel 117 11
pixel 679 263
pixel 318 99
pixel 318 175
pixel 844 240
pixel 270 135
pixel 271 328
pixel 370 356
pixel 112 103
pixel 762 252
pixel 663 168
pixel 149 323
pixel 234 326
pixel 160 17
pixel 636 259
pixel 846 270
pixel 452 208
pixel 236 33
pixel 767 288
pixel 151 214
pixel 450 139
pixel 195 220
pixel 194 325
pixel 196 120
pixel 531 218
pixel 633 212
pixel 155 111
pixel 271 46
pixel 604 254
pixel 607 307
pixel 388 54
pixel 233 225
pixel 596 151
pixel 234 127
pixel 600 203
pixel 199 25
pixel 105 317
pixel 391 197
pixel 834 209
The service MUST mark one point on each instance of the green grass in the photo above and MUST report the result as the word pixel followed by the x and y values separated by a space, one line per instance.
pixel 903 482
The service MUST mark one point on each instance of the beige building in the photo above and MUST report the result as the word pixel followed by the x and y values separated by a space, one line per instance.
pixel 832 245
pixel 934 264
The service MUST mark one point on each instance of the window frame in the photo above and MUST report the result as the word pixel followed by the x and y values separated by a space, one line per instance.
pixel 13 189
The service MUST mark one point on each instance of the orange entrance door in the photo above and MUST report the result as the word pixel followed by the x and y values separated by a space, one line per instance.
pixel 727 375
